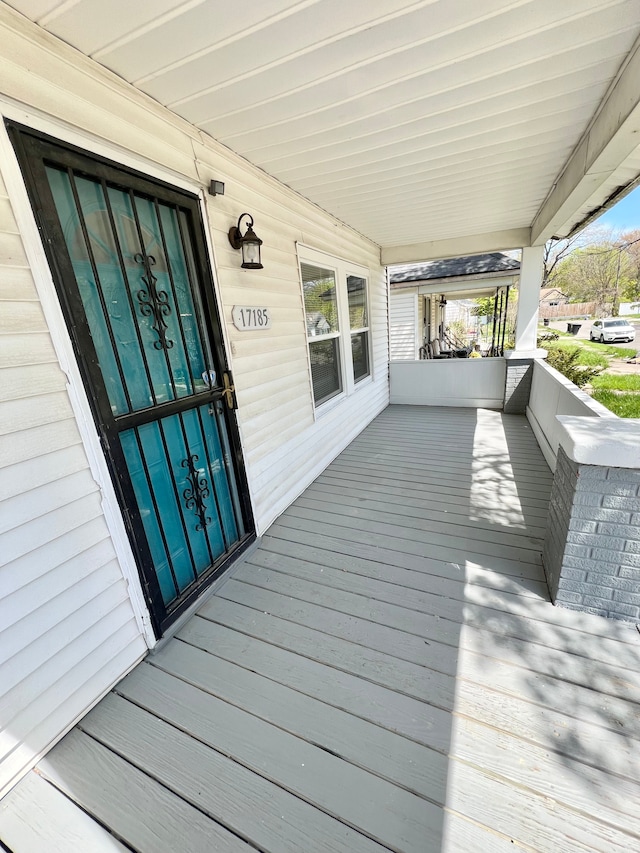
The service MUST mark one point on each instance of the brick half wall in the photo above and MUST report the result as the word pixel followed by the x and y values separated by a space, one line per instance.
pixel 591 553
pixel 517 385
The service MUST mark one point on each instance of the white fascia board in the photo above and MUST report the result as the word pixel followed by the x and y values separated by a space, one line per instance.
pixel 457 247
pixel 465 292
pixel 462 282
pixel 612 136
pixel 488 285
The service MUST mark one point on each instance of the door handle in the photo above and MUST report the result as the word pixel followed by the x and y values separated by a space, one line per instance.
pixel 229 391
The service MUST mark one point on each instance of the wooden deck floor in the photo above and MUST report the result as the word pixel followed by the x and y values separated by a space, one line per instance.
pixel 384 673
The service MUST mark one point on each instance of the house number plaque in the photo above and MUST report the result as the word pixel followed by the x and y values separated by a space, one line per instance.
pixel 247 317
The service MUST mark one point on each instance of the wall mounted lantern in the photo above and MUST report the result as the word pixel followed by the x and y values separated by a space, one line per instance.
pixel 249 243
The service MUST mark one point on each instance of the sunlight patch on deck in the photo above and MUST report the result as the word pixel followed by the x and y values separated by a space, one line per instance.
pixel 494 494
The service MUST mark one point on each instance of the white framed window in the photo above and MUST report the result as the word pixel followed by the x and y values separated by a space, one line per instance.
pixel 336 306
pixel 358 326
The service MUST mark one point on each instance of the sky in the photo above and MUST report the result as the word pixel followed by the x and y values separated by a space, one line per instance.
pixel 625 215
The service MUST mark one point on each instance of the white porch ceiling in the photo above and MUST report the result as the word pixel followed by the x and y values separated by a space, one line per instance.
pixel 423 125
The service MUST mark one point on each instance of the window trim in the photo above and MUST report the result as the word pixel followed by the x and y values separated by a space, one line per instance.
pixel 342 269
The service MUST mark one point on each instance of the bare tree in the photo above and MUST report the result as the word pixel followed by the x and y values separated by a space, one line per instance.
pixel 555 251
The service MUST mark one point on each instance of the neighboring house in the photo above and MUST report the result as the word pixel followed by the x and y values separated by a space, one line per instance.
pixel 555 305
pixel 461 311
pixel 420 293
pixel 551 297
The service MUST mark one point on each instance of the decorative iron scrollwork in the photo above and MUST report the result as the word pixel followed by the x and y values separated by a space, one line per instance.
pixel 195 494
pixel 153 302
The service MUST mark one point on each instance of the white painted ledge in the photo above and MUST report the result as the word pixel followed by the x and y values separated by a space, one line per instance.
pixel 519 354
pixel 611 443
pixel 552 394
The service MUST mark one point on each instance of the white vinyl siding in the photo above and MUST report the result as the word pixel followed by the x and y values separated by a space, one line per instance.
pixel 403 322
pixel 72 631
pixel 67 629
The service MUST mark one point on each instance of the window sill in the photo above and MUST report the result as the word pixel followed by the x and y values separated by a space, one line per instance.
pixel 327 407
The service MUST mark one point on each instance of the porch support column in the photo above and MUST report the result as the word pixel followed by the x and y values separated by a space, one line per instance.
pixel 520 360
pixel 531 267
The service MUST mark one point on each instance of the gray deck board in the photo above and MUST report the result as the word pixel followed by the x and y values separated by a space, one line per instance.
pixel 388 755
pixel 447 526
pixel 480 608
pixel 381 667
pixel 152 820
pixel 385 673
pixel 396 631
pixel 359 696
pixel 408 540
pixel 447 493
pixel 382 811
pixel 490 485
pixel 380 587
pixel 436 577
pixel 424 466
pixel 373 625
pixel 394 505
pixel 220 786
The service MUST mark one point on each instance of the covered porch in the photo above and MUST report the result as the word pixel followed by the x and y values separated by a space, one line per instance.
pixel 385 672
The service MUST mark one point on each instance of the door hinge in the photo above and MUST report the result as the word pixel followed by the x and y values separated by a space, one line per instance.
pixel 229 391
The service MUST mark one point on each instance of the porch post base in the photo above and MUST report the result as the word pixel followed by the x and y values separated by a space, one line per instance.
pixel 517 387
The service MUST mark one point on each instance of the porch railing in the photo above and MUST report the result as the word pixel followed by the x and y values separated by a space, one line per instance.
pixel 465 382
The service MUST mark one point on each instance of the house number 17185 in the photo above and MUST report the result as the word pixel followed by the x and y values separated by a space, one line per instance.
pixel 247 317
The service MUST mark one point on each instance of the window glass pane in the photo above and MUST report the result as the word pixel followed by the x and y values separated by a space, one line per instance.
pixel 320 303
pixel 360 353
pixel 105 307
pixel 357 293
pixel 325 369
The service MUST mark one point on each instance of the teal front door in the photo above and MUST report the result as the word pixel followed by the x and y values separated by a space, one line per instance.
pixel 129 261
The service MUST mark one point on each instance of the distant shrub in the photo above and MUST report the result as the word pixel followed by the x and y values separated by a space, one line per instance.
pixel 565 360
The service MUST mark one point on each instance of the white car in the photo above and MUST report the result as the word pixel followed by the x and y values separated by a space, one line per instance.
pixel 611 329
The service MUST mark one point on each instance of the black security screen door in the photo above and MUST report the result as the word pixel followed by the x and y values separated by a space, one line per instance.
pixel 128 258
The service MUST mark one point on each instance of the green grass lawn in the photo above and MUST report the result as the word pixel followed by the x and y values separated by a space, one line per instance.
pixel 587 357
pixel 607 388
pixel 615 382
pixel 623 405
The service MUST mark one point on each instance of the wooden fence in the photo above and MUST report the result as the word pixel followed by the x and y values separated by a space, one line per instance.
pixel 571 309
